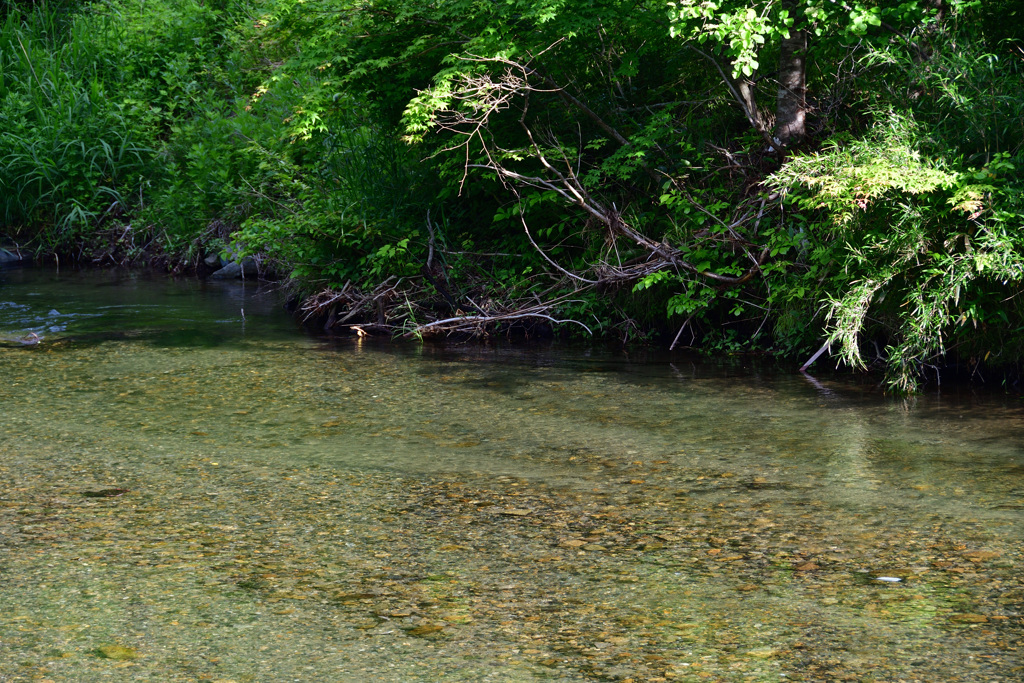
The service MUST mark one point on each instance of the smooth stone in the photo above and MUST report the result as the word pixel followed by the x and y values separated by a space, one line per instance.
pixel 249 267
pixel 231 271
pixel 116 652
pixel 969 618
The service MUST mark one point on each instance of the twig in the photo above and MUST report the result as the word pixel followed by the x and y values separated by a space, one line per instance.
pixel 824 347
pixel 685 324
pixel 548 258
pixel 430 243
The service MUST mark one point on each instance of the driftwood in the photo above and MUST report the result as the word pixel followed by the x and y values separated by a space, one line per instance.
pixel 390 310
pixel 341 306
pixel 30 339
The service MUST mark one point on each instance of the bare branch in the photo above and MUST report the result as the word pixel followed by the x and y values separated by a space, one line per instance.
pixel 478 97
pixel 743 92
pixel 461 322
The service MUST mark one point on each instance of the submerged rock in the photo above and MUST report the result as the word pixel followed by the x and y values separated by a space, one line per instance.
pixel 105 493
pixel 30 339
pixel 228 272
pixel 425 630
pixel 116 652
pixel 241 269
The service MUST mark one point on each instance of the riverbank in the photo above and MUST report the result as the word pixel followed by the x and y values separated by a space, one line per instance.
pixel 409 311
pixel 641 173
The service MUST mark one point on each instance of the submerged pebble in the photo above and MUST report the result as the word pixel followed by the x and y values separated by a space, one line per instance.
pixel 271 510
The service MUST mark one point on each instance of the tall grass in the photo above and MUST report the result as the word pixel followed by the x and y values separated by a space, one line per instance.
pixel 69 158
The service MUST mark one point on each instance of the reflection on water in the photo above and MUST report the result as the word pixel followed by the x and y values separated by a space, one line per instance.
pixel 88 305
pixel 190 495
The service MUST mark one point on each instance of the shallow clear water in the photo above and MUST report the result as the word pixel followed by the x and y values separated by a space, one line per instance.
pixel 190 489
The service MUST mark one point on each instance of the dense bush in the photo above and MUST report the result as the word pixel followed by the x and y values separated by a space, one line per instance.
pixel 69 155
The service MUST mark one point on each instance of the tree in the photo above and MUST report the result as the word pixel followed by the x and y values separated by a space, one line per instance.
pixel 740 37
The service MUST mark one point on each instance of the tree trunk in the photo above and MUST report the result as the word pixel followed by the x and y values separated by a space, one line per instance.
pixel 791 107
pixel 746 89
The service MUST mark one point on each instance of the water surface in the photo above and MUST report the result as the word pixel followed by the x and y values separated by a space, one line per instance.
pixel 191 489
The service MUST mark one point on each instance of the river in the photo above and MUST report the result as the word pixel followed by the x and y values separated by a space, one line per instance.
pixel 192 489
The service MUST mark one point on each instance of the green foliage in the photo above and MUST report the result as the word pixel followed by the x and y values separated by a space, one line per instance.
pixel 68 155
pixel 850 174
pixel 355 211
pixel 515 143
pixel 918 247
pixel 742 30
pixel 88 101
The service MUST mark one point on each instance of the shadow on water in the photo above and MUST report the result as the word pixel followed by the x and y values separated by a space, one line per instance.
pixel 188 337
pixel 89 306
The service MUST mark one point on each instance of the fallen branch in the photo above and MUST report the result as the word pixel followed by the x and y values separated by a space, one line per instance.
pixel 682 327
pixel 475 323
pixel 453 324
pixel 484 95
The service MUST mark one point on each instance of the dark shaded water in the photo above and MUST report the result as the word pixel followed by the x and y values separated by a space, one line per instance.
pixel 190 489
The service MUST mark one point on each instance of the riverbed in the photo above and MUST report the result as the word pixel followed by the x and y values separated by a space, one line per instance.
pixel 194 489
